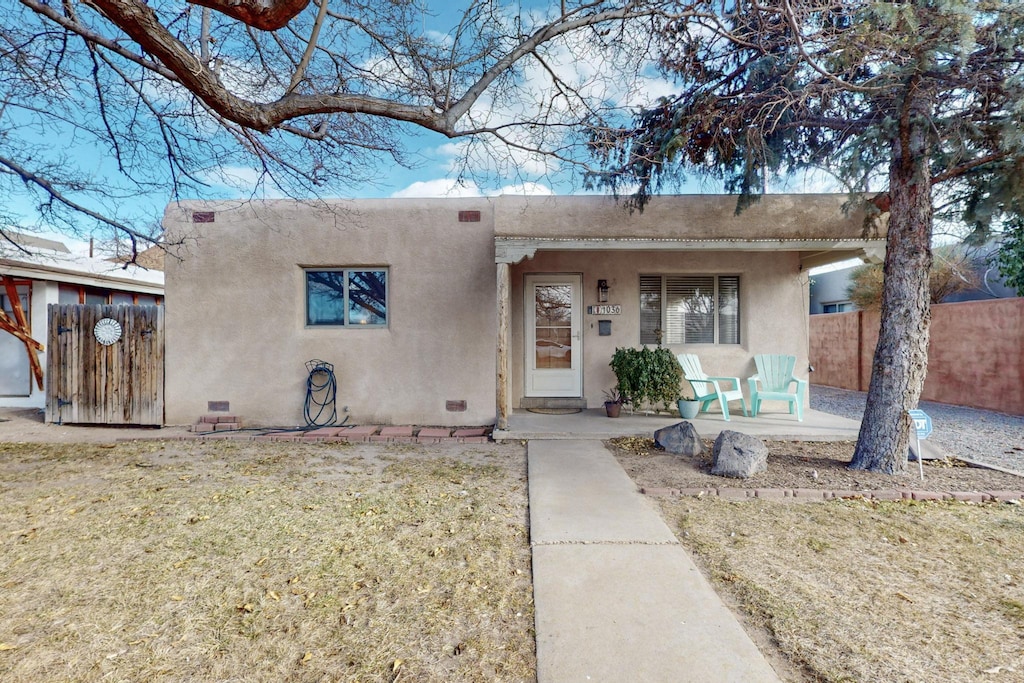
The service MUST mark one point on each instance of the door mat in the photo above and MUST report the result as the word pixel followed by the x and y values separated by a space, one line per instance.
pixel 554 411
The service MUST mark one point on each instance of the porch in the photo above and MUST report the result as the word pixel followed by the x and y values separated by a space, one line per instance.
pixel 594 424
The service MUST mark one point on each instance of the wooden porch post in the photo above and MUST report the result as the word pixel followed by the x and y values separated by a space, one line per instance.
pixel 503 397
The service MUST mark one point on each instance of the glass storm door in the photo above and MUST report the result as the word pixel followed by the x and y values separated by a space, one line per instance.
pixel 554 354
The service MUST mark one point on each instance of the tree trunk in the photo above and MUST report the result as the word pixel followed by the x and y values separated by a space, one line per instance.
pixel 901 357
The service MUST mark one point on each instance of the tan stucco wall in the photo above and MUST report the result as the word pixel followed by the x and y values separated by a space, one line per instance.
pixel 235 297
pixel 773 308
pixel 236 305
pixel 808 216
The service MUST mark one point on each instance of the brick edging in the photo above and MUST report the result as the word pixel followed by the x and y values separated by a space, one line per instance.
pixel 809 495
pixel 405 435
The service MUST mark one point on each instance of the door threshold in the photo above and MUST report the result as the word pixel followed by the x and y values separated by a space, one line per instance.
pixel 553 403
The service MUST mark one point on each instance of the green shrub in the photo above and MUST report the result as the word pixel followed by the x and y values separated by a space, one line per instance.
pixel 650 376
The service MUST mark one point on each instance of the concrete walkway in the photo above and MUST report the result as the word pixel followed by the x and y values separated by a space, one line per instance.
pixel 616 597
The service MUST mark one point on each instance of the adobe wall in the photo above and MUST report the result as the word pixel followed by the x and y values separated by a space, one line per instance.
pixel 773 309
pixel 680 217
pixel 975 353
pixel 236 328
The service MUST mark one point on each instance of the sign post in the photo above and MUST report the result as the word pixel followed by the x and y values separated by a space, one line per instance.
pixel 922 430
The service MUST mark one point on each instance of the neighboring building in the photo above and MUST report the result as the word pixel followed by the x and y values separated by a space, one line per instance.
pixel 829 290
pixel 457 311
pixel 50 274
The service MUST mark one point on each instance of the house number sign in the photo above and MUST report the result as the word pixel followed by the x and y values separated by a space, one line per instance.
pixel 605 309
pixel 107 331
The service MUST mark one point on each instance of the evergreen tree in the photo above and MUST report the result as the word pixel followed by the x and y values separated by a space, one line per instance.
pixel 924 98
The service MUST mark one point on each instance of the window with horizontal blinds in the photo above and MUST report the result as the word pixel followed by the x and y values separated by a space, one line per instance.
pixel 728 309
pixel 650 309
pixel 689 309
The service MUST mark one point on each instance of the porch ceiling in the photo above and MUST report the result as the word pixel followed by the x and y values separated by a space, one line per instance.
pixel 813 252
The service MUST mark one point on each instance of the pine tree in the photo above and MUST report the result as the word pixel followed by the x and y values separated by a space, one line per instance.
pixel 923 98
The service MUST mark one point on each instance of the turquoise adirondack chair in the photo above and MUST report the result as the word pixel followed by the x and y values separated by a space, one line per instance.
pixel 708 389
pixel 775 375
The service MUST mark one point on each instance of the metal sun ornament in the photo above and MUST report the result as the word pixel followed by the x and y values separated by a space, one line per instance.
pixel 107 331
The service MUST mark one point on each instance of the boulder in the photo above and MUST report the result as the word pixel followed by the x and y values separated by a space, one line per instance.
pixel 680 438
pixel 738 455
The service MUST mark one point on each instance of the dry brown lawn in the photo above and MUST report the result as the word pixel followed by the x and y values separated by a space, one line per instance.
pixel 854 590
pixel 175 561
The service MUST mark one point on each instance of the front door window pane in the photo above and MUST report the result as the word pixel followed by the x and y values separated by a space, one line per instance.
pixel 553 309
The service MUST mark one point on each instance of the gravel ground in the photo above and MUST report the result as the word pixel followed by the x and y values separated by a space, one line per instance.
pixel 980 435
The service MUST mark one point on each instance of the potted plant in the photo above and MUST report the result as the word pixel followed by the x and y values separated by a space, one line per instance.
pixel 612 402
pixel 651 376
pixel 688 407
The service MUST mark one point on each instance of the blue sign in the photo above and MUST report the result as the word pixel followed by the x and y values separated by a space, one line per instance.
pixel 922 423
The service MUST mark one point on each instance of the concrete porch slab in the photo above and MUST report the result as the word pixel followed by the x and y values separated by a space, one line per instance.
pixel 594 424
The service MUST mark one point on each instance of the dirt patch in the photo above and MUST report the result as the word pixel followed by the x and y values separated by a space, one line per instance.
pixel 25 425
pixel 802 464
pixel 264 562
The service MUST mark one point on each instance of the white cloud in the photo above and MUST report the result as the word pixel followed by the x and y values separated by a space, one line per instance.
pixel 526 188
pixel 441 187
pixel 446 187
pixel 239 181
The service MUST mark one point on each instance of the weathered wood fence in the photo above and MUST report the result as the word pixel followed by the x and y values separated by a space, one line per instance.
pixel 975 353
pixel 105 364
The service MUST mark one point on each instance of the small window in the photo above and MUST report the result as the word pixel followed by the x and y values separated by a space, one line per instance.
pixel 69 294
pixel 96 296
pixel 689 309
pixel 347 297
pixel 837 307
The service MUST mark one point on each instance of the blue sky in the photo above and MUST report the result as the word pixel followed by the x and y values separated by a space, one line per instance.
pixel 434 158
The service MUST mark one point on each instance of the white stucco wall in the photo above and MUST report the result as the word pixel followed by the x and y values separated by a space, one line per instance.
pixel 236 311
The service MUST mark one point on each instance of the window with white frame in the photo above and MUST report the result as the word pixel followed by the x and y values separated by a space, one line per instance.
pixel 356 297
pixel 690 309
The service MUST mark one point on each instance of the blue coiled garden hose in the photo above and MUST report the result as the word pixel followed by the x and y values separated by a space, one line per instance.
pixel 321 391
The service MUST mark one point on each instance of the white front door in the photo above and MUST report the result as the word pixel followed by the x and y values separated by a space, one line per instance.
pixel 554 351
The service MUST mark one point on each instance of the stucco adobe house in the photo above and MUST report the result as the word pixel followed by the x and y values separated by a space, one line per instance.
pixel 459 311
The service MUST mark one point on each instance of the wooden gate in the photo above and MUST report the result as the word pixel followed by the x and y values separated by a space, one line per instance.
pixel 105 364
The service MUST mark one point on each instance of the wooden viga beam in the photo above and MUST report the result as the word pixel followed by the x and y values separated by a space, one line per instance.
pixel 18 326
